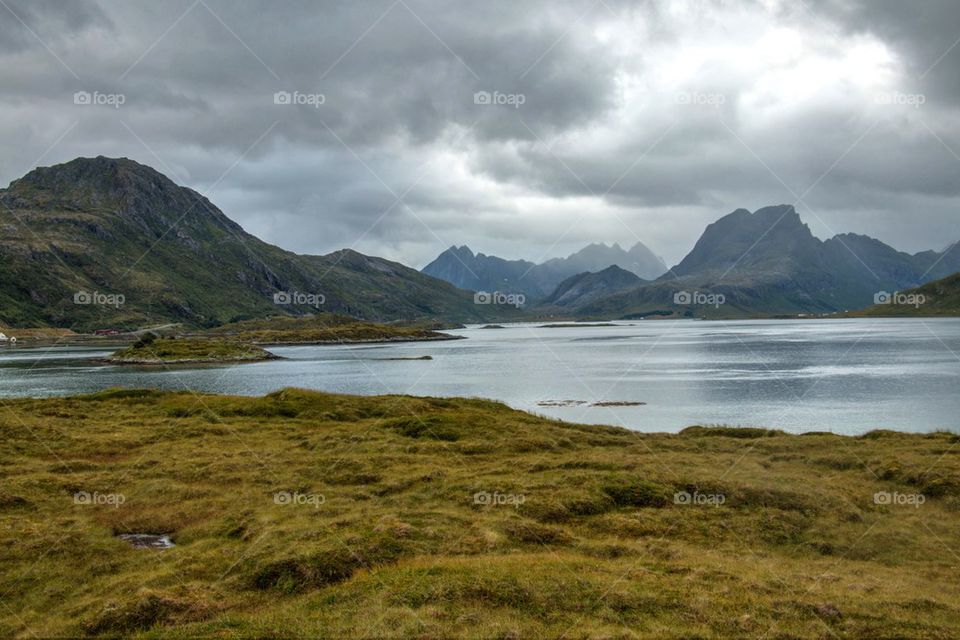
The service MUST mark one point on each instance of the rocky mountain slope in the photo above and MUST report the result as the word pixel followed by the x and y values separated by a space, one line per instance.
pixel 101 242
pixel 938 298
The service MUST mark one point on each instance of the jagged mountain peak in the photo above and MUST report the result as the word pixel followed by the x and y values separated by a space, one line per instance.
pixel 742 240
pixel 113 185
pixel 100 173
pixel 776 217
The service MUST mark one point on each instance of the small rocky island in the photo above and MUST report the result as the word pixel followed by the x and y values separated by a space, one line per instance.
pixel 325 328
pixel 151 350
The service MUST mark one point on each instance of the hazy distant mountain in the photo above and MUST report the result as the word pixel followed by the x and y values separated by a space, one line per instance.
pixel 639 260
pixel 101 241
pixel 769 262
pixel 586 287
pixel 478 272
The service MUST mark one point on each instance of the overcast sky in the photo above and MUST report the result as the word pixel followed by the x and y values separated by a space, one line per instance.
pixel 609 120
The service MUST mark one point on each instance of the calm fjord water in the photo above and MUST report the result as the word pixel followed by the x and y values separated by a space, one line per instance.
pixel 847 376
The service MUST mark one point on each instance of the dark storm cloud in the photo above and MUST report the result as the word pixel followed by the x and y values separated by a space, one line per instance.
pixel 621 120
pixel 24 23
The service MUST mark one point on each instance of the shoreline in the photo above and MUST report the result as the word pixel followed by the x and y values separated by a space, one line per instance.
pixel 160 362
pixel 85 340
pixel 364 341
pixel 745 432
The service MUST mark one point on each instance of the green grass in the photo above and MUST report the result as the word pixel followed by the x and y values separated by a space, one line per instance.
pixel 322 329
pixel 434 518
pixel 188 350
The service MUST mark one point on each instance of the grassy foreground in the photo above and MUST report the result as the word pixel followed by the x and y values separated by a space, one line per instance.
pixel 308 514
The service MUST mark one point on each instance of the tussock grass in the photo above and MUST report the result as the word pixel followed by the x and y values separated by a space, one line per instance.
pixel 303 514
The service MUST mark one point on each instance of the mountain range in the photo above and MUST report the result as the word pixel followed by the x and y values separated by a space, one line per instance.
pixel 768 262
pixel 478 272
pixel 759 263
pixel 101 242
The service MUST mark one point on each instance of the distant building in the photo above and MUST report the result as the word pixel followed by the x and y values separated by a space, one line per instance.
pixel 3 337
pixel 106 332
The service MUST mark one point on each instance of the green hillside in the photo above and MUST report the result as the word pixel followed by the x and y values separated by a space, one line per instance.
pixel 109 242
pixel 938 298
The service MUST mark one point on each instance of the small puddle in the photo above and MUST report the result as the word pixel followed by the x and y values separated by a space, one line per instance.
pixel 147 540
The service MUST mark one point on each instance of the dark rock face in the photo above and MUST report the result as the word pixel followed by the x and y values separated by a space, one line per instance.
pixel 478 272
pixel 639 260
